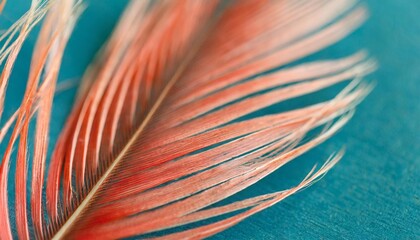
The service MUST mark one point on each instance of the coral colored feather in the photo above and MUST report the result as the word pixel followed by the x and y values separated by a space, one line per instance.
pixel 161 128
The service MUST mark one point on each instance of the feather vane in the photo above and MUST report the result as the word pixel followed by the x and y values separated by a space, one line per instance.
pixel 163 125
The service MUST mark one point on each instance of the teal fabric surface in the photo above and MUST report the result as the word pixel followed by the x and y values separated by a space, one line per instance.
pixel 373 193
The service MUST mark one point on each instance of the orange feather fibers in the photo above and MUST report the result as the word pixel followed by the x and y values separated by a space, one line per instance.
pixel 154 139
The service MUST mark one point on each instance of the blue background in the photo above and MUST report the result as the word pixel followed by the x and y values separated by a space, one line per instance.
pixel 373 193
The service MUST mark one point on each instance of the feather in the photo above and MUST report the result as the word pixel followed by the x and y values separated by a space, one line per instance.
pixel 164 124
